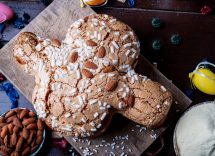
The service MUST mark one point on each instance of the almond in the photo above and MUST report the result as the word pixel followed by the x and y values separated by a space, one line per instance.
pixel 18 111
pixel 28 121
pixel 2 120
pixel 101 52
pixel 1 141
pixel 26 151
pixel 108 69
pixel 4 131
pixel 73 57
pixel 111 85
pixel 39 140
pixel 15 129
pixel 3 153
pixel 5 149
pixel 32 114
pixel 10 119
pixel 10 128
pixel 23 113
pixel 25 146
pixel 34 148
pixel 87 73
pixel 25 133
pixel 30 138
pixel 90 65
pixel 55 42
pixel 13 138
pixel 130 101
pixel 33 143
pixel 20 61
pixel 39 133
pixel 10 113
pixel 17 122
pixel 2 124
pixel 19 144
pixel 33 131
pixel 91 43
pixel 15 153
pixel 6 140
pixel 40 124
pixel 32 126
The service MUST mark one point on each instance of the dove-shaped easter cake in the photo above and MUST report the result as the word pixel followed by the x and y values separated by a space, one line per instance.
pixel 84 80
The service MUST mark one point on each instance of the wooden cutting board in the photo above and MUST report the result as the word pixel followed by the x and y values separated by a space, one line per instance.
pixel 123 136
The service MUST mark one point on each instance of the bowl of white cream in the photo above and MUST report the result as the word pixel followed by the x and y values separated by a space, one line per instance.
pixel 194 133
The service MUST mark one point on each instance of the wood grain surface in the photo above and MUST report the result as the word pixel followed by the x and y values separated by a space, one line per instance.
pixel 53 23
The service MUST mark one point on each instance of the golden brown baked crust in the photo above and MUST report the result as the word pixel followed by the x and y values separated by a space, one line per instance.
pixel 83 81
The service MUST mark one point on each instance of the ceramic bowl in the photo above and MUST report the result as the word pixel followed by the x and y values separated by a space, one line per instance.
pixel 85 2
pixel 176 148
pixel 44 135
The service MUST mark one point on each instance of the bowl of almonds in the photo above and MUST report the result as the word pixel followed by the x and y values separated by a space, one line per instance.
pixel 21 133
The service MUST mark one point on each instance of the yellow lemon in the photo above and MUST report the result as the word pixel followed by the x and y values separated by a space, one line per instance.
pixel 204 80
pixel 94 2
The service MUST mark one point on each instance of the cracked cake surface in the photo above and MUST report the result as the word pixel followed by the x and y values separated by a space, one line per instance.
pixel 84 80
